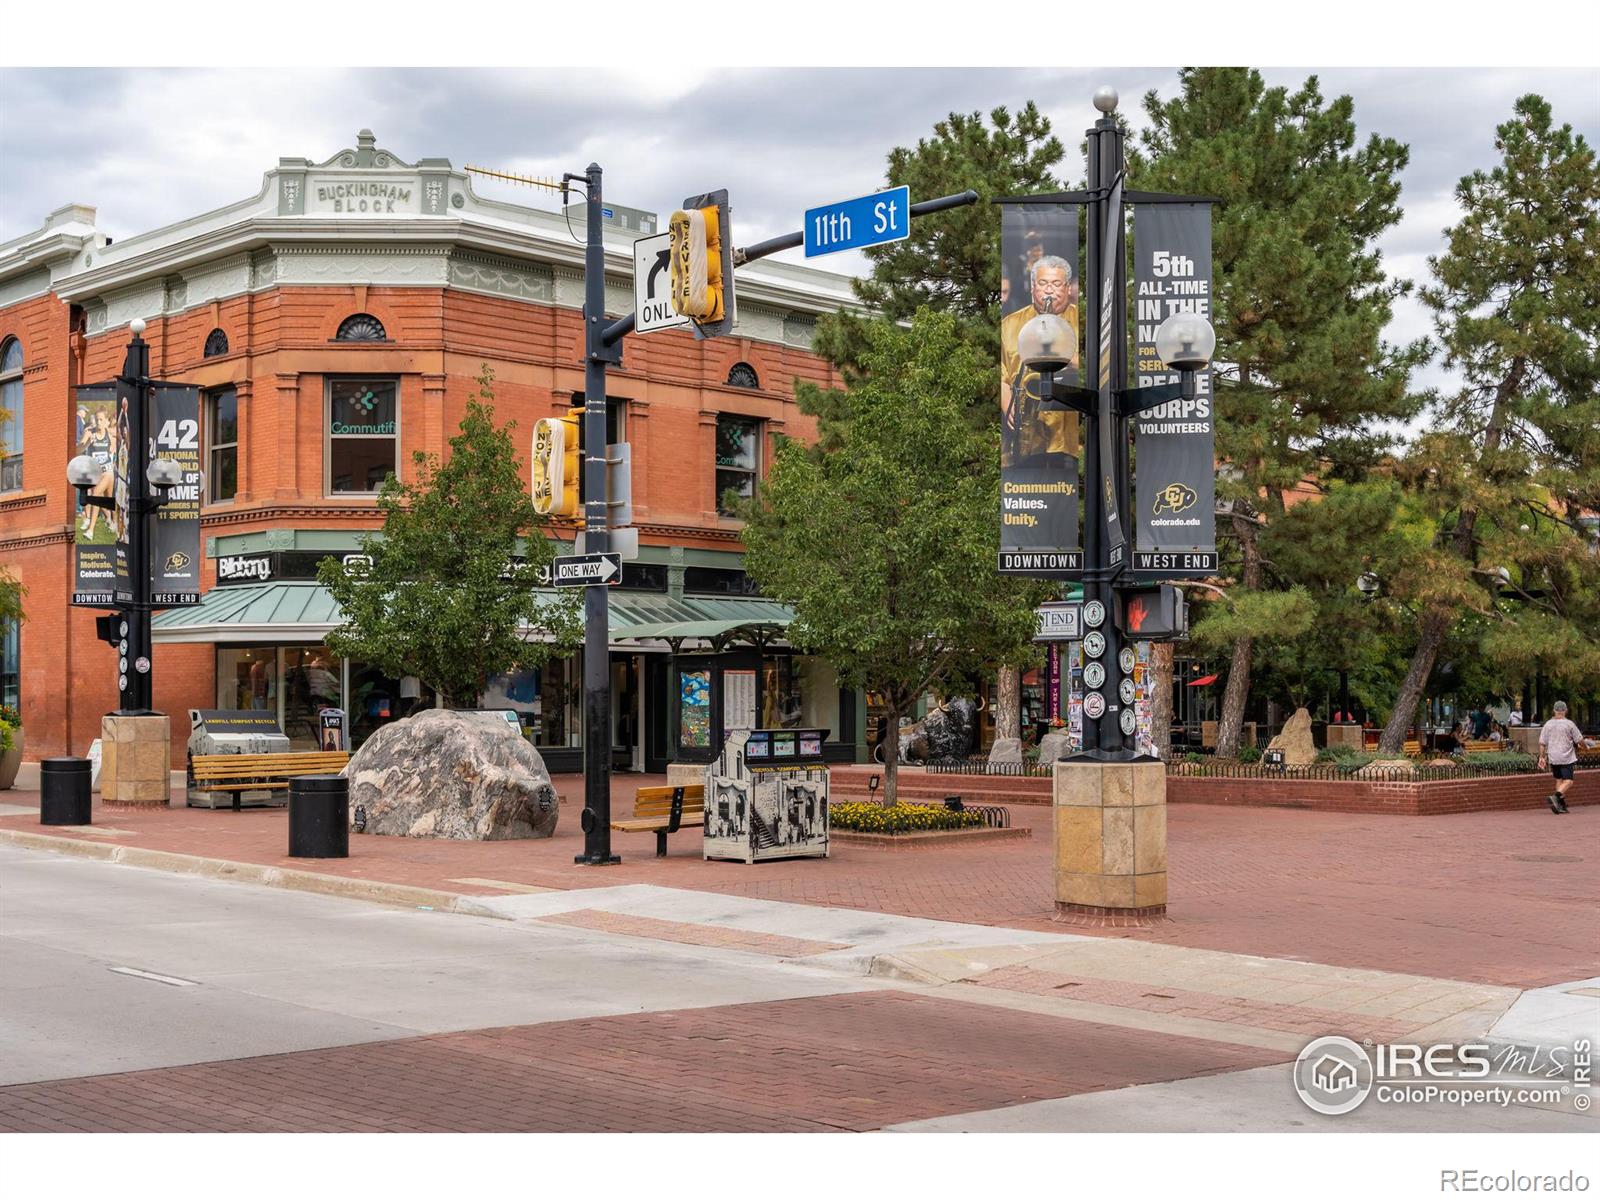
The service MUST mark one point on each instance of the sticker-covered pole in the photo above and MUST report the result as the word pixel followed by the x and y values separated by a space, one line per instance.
pixel 596 819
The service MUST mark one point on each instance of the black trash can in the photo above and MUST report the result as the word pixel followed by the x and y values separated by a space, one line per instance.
pixel 319 816
pixel 64 791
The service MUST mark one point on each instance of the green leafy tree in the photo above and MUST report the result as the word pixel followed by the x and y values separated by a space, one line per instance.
pixel 1305 381
pixel 1511 461
pixel 451 595
pixel 885 548
pixel 950 264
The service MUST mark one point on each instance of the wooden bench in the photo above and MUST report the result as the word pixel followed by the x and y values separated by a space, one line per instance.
pixel 1413 748
pixel 240 773
pixel 661 810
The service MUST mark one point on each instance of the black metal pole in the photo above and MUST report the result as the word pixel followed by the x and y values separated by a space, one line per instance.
pixel 134 676
pixel 596 540
pixel 1093 500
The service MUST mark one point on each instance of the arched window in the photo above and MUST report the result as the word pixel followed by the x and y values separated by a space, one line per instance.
pixel 363 327
pixel 216 343
pixel 743 375
pixel 11 416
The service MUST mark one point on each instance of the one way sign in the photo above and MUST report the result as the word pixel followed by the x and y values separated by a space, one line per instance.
pixel 652 285
pixel 580 570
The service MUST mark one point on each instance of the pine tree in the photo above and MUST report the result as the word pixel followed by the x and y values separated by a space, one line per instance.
pixel 1304 379
pixel 452 593
pixel 1510 466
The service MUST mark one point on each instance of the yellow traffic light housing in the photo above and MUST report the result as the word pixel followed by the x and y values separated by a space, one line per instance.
pixel 557 465
pixel 702 263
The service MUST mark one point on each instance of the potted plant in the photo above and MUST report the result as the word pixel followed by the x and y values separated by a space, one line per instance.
pixel 10 745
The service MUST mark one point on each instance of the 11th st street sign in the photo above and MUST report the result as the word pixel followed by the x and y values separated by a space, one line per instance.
pixel 580 570
pixel 864 221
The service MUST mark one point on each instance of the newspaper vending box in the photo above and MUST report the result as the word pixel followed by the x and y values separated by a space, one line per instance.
pixel 767 796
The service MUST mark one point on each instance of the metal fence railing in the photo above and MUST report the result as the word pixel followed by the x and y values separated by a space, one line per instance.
pixel 982 766
pixel 1207 766
pixel 1382 770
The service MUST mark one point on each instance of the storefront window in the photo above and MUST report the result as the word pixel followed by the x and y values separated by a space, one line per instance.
pixel 310 684
pixel 10 663
pixel 377 699
pixel 363 434
pixel 819 697
pixel 546 700
pixel 781 706
pixel 247 678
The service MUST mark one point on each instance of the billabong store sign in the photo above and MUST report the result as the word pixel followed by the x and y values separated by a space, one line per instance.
pixel 1174 443
pixel 270 565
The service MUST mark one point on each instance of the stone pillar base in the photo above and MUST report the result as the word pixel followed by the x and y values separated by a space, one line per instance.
pixel 136 761
pixel 1110 842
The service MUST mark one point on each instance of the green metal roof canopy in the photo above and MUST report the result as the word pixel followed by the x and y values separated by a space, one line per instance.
pixel 305 612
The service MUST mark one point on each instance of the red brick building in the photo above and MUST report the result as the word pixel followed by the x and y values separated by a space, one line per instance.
pixel 367 278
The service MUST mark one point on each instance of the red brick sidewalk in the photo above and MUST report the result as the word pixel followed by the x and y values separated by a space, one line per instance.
pixel 1503 898
pixel 851 1062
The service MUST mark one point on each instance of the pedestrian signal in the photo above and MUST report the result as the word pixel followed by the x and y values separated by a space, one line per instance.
pixel 557 465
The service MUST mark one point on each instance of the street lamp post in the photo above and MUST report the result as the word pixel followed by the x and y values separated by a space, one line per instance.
pixel 1184 342
pixel 134 682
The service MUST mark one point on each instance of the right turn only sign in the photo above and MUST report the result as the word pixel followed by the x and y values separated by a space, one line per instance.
pixel 652 285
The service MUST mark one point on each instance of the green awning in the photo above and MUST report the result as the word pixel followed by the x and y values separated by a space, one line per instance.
pixel 268 612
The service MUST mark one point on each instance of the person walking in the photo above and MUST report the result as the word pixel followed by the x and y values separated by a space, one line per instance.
pixel 1558 747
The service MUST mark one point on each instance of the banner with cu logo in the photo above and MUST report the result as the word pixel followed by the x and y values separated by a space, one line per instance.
pixel 1175 526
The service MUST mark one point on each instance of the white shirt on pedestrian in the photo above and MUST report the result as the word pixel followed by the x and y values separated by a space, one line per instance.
pixel 1559 741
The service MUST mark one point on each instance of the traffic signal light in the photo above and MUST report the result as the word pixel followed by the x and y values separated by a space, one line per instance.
pixel 557 465
pixel 702 263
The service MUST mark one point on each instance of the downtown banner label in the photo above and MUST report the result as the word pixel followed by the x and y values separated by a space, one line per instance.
pixel 1174 443
pixel 1039 306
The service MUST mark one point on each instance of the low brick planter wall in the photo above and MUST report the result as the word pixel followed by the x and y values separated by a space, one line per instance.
pixel 1431 798
pixel 925 839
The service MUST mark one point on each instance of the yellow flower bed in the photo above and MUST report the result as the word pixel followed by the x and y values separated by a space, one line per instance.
pixel 899 818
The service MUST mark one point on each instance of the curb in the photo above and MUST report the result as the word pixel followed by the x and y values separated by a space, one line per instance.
pixel 399 895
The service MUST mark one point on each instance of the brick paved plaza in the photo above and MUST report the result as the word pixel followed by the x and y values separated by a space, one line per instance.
pixel 1502 898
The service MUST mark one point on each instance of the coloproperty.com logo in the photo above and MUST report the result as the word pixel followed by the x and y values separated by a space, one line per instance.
pixel 1334 1075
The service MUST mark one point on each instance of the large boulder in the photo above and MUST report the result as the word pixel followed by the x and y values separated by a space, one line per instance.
pixel 1294 739
pixel 1005 750
pixel 446 774
pixel 1055 746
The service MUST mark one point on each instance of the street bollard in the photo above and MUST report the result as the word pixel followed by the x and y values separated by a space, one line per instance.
pixel 319 816
pixel 64 791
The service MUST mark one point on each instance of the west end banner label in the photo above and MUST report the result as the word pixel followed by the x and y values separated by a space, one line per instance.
pixel 1038 448
pixel 1175 443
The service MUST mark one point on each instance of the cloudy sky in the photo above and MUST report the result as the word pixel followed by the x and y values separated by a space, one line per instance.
pixel 151 146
